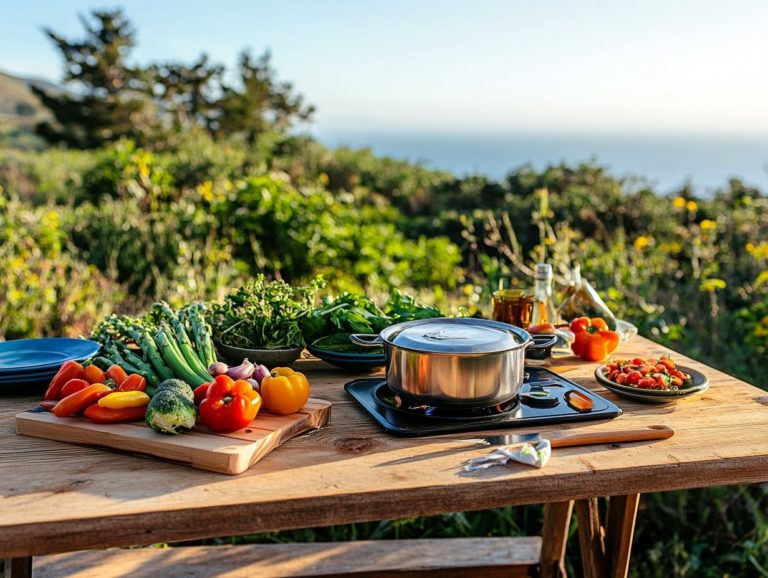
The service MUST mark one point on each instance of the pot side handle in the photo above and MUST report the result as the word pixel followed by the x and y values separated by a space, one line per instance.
pixel 542 341
pixel 366 339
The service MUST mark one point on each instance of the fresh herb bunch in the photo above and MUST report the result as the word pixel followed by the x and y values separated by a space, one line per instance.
pixel 264 314
pixel 350 313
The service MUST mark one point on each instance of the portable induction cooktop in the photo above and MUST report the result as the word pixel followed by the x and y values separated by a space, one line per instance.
pixel 545 397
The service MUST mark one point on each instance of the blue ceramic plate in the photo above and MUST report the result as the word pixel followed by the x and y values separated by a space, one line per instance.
pixel 28 376
pixel 40 354
pixel 22 386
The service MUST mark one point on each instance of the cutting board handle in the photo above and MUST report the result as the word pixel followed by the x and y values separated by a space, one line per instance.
pixel 652 432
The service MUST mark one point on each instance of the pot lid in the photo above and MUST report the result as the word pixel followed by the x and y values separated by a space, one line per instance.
pixel 456 336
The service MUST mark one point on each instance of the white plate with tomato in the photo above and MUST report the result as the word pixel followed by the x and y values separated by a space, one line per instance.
pixel 651 380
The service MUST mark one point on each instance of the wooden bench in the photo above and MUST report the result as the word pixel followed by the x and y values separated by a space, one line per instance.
pixel 455 557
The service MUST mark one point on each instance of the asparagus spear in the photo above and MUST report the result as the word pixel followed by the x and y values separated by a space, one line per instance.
pixel 202 333
pixel 176 362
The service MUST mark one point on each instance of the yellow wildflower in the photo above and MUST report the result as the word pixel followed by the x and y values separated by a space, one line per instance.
pixel 672 247
pixel 642 242
pixel 678 202
pixel 691 206
pixel 205 190
pixel 759 251
pixel 708 225
pixel 712 285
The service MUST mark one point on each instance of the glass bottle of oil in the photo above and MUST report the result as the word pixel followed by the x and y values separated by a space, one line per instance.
pixel 544 310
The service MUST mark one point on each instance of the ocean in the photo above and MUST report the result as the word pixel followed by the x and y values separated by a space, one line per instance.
pixel 667 162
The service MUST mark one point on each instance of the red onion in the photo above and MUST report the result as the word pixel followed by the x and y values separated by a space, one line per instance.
pixel 254 384
pixel 218 368
pixel 259 373
pixel 242 371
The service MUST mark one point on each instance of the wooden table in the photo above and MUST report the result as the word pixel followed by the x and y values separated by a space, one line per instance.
pixel 57 497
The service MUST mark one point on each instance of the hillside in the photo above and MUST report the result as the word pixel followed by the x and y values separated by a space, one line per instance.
pixel 18 105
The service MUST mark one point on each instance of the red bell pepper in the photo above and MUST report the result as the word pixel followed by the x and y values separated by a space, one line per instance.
pixel 200 392
pixel 229 405
pixel 68 370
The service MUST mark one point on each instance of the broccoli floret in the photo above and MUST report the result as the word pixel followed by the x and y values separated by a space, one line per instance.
pixel 170 412
pixel 177 386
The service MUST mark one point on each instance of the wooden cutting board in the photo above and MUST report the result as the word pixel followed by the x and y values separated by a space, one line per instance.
pixel 230 453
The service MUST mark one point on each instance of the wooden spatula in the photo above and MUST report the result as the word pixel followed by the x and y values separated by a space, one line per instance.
pixel 569 438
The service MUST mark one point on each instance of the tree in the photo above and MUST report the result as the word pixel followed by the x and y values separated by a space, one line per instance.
pixel 261 103
pixel 107 98
pixel 188 93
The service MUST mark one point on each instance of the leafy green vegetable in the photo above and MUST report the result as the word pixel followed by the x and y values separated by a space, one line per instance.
pixel 263 314
pixel 350 313
pixel 340 343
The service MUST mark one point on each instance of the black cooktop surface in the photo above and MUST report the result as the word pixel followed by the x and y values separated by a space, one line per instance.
pixel 544 398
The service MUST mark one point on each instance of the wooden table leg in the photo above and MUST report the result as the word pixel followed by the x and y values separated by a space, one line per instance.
pixel 605 550
pixel 18 567
pixel 591 539
pixel 620 529
pixel 557 521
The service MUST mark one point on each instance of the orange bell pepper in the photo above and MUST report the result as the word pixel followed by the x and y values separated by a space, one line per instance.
pixel 284 391
pixel 594 341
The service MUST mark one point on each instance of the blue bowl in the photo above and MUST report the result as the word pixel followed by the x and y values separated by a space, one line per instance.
pixel 352 361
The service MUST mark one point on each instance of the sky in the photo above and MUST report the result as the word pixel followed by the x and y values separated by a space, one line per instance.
pixel 485 66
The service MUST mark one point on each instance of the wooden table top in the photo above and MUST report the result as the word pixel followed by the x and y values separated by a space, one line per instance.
pixel 57 497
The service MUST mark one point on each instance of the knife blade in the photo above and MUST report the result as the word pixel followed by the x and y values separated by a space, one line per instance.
pixel 562 439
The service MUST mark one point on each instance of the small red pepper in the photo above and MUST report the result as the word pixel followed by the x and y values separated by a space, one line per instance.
pixel 117 374
pixel 72 386
pixel 133 382
pixel 98 414
pixel 68 370
pixel 229 406
pixel 79 400
pixel 94 374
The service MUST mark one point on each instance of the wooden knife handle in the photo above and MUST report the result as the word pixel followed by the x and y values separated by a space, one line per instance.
pixel 652 432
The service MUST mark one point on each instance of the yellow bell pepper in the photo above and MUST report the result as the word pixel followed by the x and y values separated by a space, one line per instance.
pixel 284 391
pixel 123 399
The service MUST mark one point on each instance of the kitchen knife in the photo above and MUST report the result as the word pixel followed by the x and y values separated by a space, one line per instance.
pixel 569 438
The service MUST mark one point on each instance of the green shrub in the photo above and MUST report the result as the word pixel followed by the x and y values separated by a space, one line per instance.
pixel 47 290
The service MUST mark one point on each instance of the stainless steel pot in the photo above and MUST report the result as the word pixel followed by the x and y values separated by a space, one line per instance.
pixel 455 362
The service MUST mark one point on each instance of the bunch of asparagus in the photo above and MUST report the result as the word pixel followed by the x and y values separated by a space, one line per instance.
pixel 161 345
